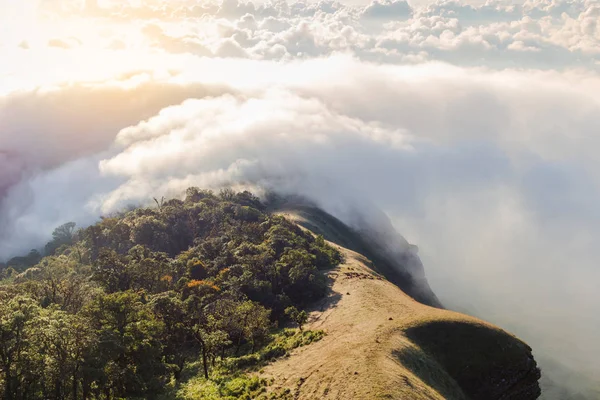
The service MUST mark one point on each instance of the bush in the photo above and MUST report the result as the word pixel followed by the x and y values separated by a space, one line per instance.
pixel 273 351
pixel 242 362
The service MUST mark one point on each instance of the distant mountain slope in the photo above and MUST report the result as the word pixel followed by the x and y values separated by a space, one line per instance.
pixel 391 254
pixel 382 344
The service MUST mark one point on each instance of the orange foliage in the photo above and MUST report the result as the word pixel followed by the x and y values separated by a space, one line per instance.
pixel 196 283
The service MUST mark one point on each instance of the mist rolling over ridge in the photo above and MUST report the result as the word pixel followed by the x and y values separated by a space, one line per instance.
pixel 473 128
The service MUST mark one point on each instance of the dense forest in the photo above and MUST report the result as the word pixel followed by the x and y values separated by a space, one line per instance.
pixel 145 300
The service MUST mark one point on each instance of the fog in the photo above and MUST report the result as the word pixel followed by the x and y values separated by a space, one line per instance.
pixel 490 170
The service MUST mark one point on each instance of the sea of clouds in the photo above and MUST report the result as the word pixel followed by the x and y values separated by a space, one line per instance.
pixel 474 127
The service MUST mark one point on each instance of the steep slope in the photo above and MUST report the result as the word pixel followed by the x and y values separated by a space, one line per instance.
pixel 390 253
pixel 382 344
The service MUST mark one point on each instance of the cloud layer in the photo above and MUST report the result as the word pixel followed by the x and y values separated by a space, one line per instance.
pixel 473 127
pixel 544 34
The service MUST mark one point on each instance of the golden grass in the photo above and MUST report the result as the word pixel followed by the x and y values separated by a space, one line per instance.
pixel 381 344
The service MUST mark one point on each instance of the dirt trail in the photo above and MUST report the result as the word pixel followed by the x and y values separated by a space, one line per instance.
pixel 366 353
pixel 364 317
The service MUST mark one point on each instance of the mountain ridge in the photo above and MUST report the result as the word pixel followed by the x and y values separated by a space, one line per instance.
pixel 383 343
pixel 191 299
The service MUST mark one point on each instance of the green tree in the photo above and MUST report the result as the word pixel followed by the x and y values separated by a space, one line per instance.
pixel 64 341
pixel 63 282
pixel 22 263
pixel 205 325
pixel 299 317
pixel 150 231
pixel 242 321
pixel 301 280
pixel 149 270
pixel 110 271
pixel 62 236
pixel 128 345
pixel 177 346
pixel 18 362
pixel 256 323
pixel 118 309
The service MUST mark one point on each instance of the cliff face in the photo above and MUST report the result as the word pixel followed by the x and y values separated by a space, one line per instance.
pixel 381 343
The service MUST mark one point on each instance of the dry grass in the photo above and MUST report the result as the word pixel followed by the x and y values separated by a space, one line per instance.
pixel 381 344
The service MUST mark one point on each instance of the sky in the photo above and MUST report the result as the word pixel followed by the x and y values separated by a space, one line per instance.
pixel 474 126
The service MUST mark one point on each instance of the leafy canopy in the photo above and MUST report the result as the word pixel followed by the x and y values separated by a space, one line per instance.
pixel 122 308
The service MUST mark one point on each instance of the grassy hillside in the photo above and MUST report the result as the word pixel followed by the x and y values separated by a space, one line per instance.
pixel 381 343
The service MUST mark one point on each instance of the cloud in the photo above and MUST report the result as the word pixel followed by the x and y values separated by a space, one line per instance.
pixel 80 119
pixel 458 158
pixel 474 127
pixel 536 34
pixel 183 44
pixel 44 130
pixel 388 9
pixel 496 34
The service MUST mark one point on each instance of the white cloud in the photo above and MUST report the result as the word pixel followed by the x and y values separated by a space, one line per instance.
pixel 388 9
pixel 538 34
pixel 459 158
pixel 474 127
